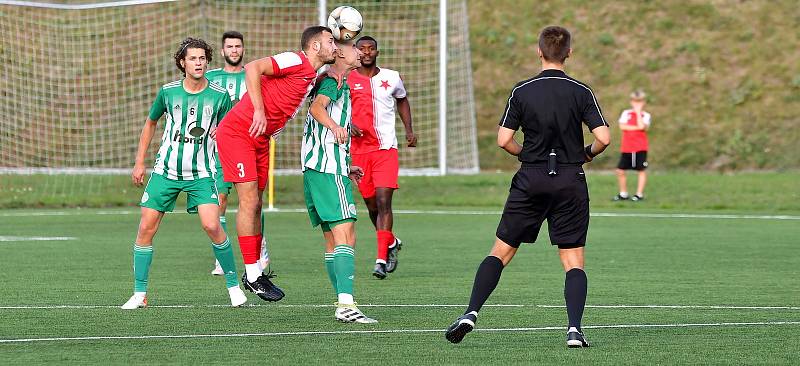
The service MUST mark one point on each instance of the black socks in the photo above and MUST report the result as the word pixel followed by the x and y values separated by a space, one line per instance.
pixel 485 281
pixel 575 285
pixel 488 275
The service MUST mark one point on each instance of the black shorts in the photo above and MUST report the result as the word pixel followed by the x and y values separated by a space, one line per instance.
pixel 534 196
pixel 633 161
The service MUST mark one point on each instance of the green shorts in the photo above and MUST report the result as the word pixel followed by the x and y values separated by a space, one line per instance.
pixel 329 198
pixel 161 193
pixel 223 187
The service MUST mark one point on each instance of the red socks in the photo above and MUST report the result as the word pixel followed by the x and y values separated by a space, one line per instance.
pixel 385 239
pixel 250 247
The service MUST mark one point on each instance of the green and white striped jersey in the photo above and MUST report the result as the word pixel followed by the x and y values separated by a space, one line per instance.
pixel 320 152
pixel 185 152
pixel 233 82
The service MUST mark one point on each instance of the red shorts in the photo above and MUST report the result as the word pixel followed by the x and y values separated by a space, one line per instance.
pixel 243 158
pixel 380 170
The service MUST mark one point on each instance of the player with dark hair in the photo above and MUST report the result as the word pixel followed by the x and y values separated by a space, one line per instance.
pixel 231 78
pixel 375 91
pixel 634 124
pixel 276 88
pixel 185 163
pixel 550 184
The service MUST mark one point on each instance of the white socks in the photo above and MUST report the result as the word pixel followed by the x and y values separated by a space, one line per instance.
pixel 346 299
pixel 253 271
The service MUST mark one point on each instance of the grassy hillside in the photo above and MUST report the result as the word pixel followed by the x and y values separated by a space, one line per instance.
pixel 723 76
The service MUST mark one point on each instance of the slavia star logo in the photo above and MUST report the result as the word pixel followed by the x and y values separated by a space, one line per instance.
pixel 385 84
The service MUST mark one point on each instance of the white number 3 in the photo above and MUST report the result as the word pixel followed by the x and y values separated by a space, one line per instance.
pixel 240 166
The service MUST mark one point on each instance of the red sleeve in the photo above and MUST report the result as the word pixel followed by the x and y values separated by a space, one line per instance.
pixel 286 63
pixel 276 70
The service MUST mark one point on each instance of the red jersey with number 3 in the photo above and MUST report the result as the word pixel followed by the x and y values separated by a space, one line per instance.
pixel 634 141
pixel 282 93
pixel 374 109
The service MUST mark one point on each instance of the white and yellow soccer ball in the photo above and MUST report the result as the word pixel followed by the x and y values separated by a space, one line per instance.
pixel 345 22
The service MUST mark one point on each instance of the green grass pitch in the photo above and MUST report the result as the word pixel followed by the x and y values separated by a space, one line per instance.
pixel 713 263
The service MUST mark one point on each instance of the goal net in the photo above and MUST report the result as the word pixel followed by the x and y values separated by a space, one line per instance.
pixel 78 80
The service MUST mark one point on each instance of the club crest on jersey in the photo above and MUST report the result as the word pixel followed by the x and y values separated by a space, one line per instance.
pixel 352 209
pixel 208 111
pixel 145 197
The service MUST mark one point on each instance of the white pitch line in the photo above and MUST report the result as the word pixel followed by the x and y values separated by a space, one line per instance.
pixel 34 214
pixel 698 307
pixel 445 212
pixel 36 238
pixel 696 216
pixel 357 332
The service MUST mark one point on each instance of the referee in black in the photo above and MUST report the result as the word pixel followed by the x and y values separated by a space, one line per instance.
pixel 550 184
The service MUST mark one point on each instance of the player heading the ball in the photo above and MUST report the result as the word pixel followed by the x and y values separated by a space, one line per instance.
pixel 231 78
pixel 328 191
pixel 276 88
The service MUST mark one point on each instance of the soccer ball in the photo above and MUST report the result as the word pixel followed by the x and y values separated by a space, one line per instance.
pixel 345 22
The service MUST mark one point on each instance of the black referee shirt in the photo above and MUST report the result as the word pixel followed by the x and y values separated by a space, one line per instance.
pixel 550 109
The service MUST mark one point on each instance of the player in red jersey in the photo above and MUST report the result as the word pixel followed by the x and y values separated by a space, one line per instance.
pixel 374 92
pixel 634 123
pixel 276 88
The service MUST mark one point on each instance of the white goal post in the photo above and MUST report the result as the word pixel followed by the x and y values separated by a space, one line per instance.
pixel 79 78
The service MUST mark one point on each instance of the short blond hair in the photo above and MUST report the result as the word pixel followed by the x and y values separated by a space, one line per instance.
pixel 638 94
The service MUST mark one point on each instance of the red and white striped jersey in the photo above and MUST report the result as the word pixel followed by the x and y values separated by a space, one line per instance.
pixel 374 109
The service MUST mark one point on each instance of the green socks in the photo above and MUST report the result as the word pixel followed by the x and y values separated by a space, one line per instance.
pixel 331 271
pixel 142 257
pixel 224 223
pixel 224 254
pixel 344 266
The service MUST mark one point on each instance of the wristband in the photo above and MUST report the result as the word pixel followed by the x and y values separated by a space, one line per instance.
pixel 588 151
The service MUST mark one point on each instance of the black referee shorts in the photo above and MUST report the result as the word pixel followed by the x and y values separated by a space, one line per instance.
pixel 633 161
pixel 534 196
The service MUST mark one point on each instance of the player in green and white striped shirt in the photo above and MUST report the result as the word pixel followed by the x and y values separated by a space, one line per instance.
pixel 185 163
pixel 231 76
pixel 320 150
pixel 326 171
